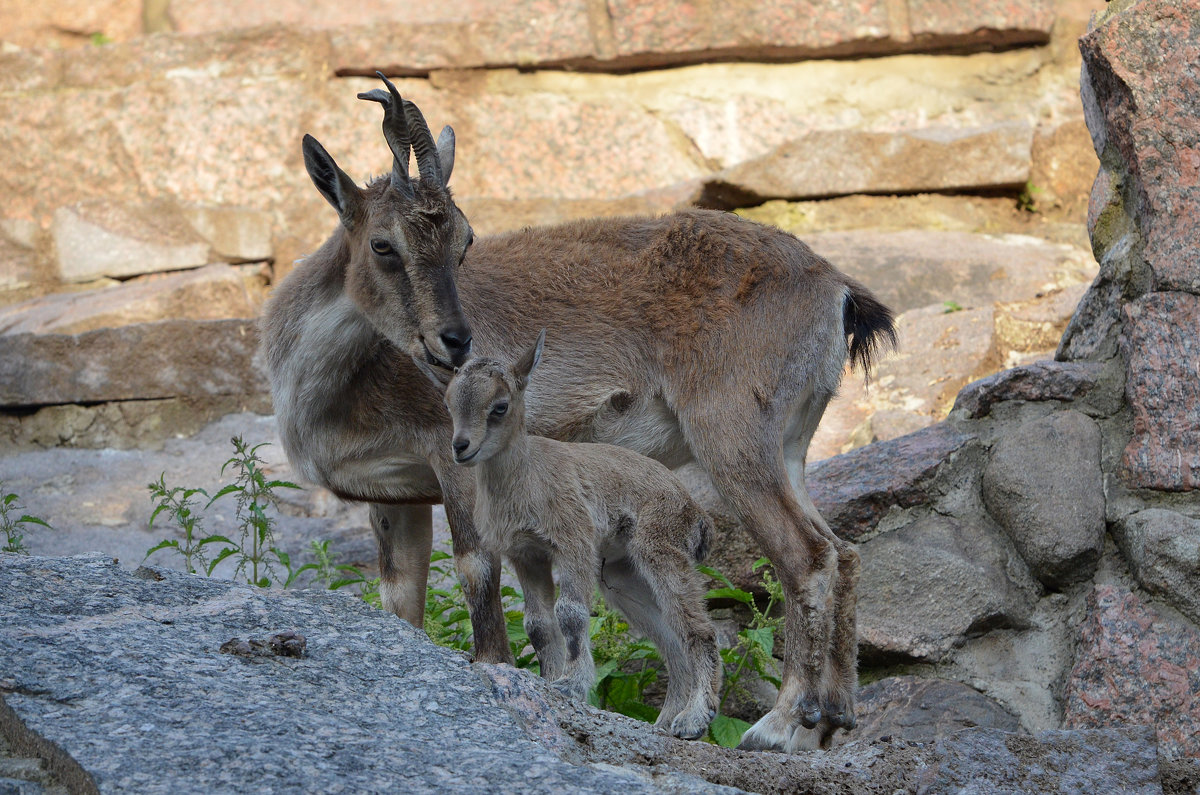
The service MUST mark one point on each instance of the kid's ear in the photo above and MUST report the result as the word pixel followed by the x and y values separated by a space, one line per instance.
pixel 439 378
pixel 529 360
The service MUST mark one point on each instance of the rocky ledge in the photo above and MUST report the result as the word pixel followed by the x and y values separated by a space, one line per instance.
pixel 127 682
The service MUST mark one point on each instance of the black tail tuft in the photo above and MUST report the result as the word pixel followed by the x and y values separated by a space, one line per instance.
pixel 868 323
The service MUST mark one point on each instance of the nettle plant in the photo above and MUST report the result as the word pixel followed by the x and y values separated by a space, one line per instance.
pixel 13 522
pixel 627 668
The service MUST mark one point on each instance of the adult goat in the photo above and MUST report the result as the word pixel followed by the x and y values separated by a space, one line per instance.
pixel 696 336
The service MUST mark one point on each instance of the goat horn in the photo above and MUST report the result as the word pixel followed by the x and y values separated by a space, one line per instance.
pixel 395 132
pixel 422 144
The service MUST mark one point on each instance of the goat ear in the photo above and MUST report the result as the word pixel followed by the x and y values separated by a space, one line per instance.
pixel 334 184
pixel 441 381
pixel 529 360
pixel 445 147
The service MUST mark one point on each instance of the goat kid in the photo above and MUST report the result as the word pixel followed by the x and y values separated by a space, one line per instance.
pixel 595 512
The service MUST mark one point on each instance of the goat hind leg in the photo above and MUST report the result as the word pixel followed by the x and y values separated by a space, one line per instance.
pixel 693 660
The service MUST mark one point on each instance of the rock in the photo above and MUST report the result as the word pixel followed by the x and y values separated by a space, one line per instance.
pixel 1142 103
pixel 1163 549
pixel 1162 387
pixel 625 35
pixel 838 163
pixel 928 585
pixel 1046 380
pixel 98 239
pixel 75 23
pixel 1036 324
pixel 918 268
pixel 174 358
pixel 214 292
pixel 19 266
pixel 923 710
pixel 1110 760
pixel 123 425
pixel 1135 665
pixel 1042 483
pixel 1064 168
pixel 855 490
pixel 129 681
pixel 237 234
pixel 373 704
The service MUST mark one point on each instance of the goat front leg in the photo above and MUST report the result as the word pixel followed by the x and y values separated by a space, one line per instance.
pixel 533 568
pixel 478 569
pixel 577 584
pixel 405 536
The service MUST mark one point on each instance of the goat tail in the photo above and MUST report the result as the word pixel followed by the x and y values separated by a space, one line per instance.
pixel 868 323
pixel 700 538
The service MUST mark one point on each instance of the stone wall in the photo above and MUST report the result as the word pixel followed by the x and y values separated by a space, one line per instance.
pixel 152 165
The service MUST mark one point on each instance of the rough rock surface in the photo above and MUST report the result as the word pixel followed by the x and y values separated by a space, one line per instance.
pixel 100 238
pixel 854 491
pixel 923 710
pixel 916 268
pixel 821 164
pixel 171 358
pixel 1163 549
pixel 928 585
pixel 100 662
pixel 214 292
pixel 1136 665
pixel 1151 126
pixel 1162 386
pixel 1042 483
pixel 1065 381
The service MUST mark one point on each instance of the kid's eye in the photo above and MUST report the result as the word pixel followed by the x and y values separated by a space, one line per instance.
pixel 381 247
pixel 499 409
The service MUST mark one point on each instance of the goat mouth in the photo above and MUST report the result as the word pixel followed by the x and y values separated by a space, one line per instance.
pixel 466 458
pixel 432 360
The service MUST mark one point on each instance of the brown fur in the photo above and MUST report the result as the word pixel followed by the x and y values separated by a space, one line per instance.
pixel 693 336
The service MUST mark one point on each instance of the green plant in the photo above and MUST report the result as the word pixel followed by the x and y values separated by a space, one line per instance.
pixel 178 504
pixel 754 650
pixel 1027 198
pixel 99 39
pixel 625 667
pixel 14 526
pixel 951 306
pixel 255 494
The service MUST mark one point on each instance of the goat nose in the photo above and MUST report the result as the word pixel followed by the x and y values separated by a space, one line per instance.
pixel 457 342
pixel 460 445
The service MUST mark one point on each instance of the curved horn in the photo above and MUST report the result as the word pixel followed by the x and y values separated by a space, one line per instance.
pixel 445 147
pixel 422 144
pixel 395 132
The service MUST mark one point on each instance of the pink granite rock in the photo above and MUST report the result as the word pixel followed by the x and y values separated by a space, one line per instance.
pixel 1162 386
pixel 1135 665
pixel 1142 100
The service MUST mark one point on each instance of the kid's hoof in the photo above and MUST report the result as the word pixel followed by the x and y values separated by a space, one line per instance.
pixel 569 689
pixel 809 712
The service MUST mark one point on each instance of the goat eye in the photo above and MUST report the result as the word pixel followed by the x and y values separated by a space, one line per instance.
pixel 381 247
pixel 499 409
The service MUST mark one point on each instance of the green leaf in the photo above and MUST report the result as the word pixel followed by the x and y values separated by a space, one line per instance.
pixel 709 571
pixel 224 553
pixel 282 484
pixel 34 520
pixel 161 545
pixel 730 593
pixel 764 637
pixel 438 554
pixel 230 489
pixel 727 732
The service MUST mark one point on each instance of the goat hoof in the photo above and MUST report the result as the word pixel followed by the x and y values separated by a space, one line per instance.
pixel 771 733
pixel 809 712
